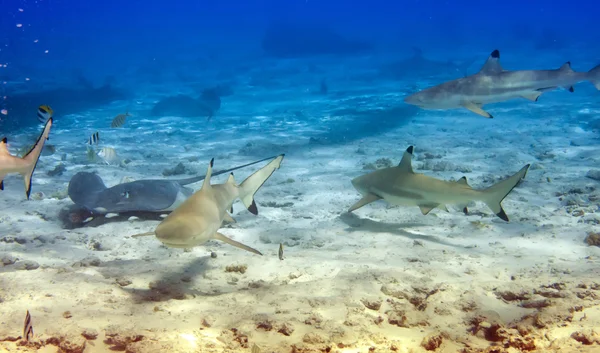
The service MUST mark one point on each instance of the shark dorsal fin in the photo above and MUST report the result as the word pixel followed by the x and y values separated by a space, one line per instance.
pixel 566 67
pixel 4 147
pixel 406 162
pixel 492 64
pixel 230 179
pixel 206 183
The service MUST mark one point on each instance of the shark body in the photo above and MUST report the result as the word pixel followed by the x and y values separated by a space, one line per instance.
pixel 400 185
pixel 25 166
pixel 493 84
pixel 199 218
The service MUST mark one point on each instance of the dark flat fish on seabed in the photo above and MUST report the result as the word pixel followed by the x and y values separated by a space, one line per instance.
pixel 119 120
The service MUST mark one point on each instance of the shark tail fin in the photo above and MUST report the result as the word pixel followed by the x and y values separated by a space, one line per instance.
pixel 594 75
pixel 494 195
pixel 33 156
pixel 248 187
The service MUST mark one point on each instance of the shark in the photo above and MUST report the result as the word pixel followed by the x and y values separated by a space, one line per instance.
pixel 400 185
pixel 26 165
pixel 198 219
pixel 493 84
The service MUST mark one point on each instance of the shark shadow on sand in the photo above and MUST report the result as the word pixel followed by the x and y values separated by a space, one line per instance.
pixel 356 223
pixel 207 105
pixel 358 123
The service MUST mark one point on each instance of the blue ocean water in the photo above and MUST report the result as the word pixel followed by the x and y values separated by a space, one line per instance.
pixel 324 83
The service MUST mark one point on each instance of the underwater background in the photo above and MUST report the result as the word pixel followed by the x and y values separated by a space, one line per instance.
pixel 141 91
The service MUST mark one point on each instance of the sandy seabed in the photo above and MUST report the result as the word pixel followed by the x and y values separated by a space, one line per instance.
pixel 382 279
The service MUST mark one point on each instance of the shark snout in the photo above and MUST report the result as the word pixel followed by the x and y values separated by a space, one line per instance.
pixel 414 99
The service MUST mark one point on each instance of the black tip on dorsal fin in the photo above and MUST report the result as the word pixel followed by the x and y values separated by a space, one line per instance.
pixel 495 54
pixel 466 211
pixel 502 215
pixel 253 209
pixel 231 209
pixel 410 149
pixel 212 161
pixel 571 89
pixel 5 140
pixel 2 185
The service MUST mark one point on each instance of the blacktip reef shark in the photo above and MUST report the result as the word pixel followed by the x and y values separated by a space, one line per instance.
pixel 400 185
pixel 199 218
pixel 87 190
pixel 25 166
pixel 493 84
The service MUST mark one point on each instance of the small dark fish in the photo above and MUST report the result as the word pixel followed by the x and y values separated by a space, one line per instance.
pixel 94 139
pixel 119 120
pixel 280 251
pixel 27 327
pixel 44 113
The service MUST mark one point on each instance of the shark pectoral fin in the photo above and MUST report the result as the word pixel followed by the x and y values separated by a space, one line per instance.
pixel 476 109
pixel 533 96
pixel 425 209
pixel 142 234
pixel 227 218
pixel 367 199
pixel 224 239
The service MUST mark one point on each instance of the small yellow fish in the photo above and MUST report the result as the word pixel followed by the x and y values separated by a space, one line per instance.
pixel 44 113
pixel 119 120
pixel 109 155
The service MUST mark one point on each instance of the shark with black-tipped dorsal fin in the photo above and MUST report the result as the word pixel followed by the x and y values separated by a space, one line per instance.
pixel 493 84
pixel 400 185
pixel 198 219
pixel 25 166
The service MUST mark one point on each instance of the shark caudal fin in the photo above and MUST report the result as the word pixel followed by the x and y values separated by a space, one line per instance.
pixel 33 156
pixel 494 195
pixel 594 76
pixel 248 187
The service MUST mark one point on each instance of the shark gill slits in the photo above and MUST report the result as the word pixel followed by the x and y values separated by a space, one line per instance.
pixel 94 138
pixel 495 54
pixel 44 113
